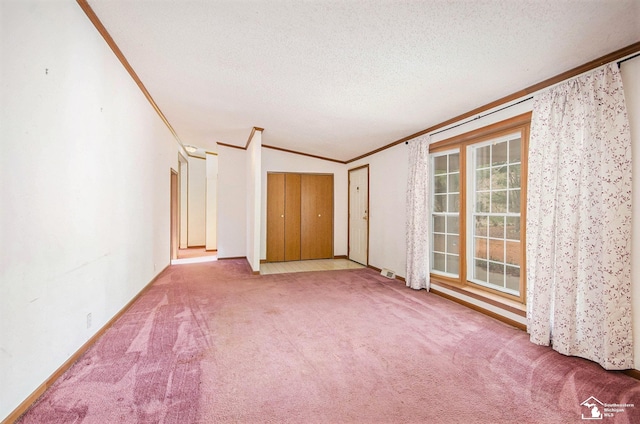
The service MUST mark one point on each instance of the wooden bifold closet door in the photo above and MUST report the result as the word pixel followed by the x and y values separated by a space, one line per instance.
pixel 299 216
pixel 316 216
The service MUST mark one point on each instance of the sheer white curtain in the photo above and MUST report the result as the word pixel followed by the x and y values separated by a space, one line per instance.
pixel 579 220
pixel 418 217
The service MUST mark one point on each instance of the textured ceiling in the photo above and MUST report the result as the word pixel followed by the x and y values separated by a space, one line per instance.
pixel 342 78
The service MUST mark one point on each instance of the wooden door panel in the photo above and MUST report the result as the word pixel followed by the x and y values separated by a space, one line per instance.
pixel 275 217
pixel 292 218
pixel 316 216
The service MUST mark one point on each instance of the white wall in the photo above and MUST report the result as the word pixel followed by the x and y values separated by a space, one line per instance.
pixel 631 80
pixel 196 225
pixel 84 190
pixel 278 161
pixel 212 202
pixel 232 202
pixel 254 196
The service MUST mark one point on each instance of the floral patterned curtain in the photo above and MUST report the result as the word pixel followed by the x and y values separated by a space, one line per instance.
pixel 418 216
pixel 579 220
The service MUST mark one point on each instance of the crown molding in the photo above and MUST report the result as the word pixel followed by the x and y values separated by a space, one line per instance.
pixel 233 146
pixel 303 154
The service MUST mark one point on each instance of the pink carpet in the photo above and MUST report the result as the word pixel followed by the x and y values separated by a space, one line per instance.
pixel 211 343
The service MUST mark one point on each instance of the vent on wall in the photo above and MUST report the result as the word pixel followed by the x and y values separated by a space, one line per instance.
pixel 388 273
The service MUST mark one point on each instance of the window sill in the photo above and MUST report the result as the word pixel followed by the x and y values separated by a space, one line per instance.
pixel 509 305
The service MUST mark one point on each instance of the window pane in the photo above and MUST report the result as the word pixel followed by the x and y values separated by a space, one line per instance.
pixel 440 165
pixel 514 201
pixel 480 250
pixel 496 226
pixel 438 224
pixel 499 201
pixel 438 262
pixel 481 225
pixel 499 153
pixel 440 184
pixel 453 264
pixel 483 179
pixel 454 202
pixel 453 225
pixel 438 242
pixel 440 203
pixel 483 157
pixel 480 270
pixel 499 178
pixel 513 252
pixel 482 202
pixel 496 250
pixel 514 150
pixel 513 228
pixel 496 274
pixel 452 244
pixel 454 182
pixel 454 162
pixel 513 278
pixel 514 176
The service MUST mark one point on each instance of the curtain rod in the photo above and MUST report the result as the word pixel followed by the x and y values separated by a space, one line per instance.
pixel 479 117
pixel 627 58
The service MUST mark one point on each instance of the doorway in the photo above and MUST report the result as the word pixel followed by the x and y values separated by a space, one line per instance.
pixel 359 215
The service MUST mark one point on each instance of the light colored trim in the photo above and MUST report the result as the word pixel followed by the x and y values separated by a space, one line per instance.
pixel 611 57
pixel 116 50
pixel 210 153
pixel 26 404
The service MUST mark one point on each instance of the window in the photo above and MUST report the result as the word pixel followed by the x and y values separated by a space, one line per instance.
pixel 478 209
pixel 446 213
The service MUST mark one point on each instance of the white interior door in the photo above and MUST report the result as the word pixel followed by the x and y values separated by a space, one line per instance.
pixel 359 214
